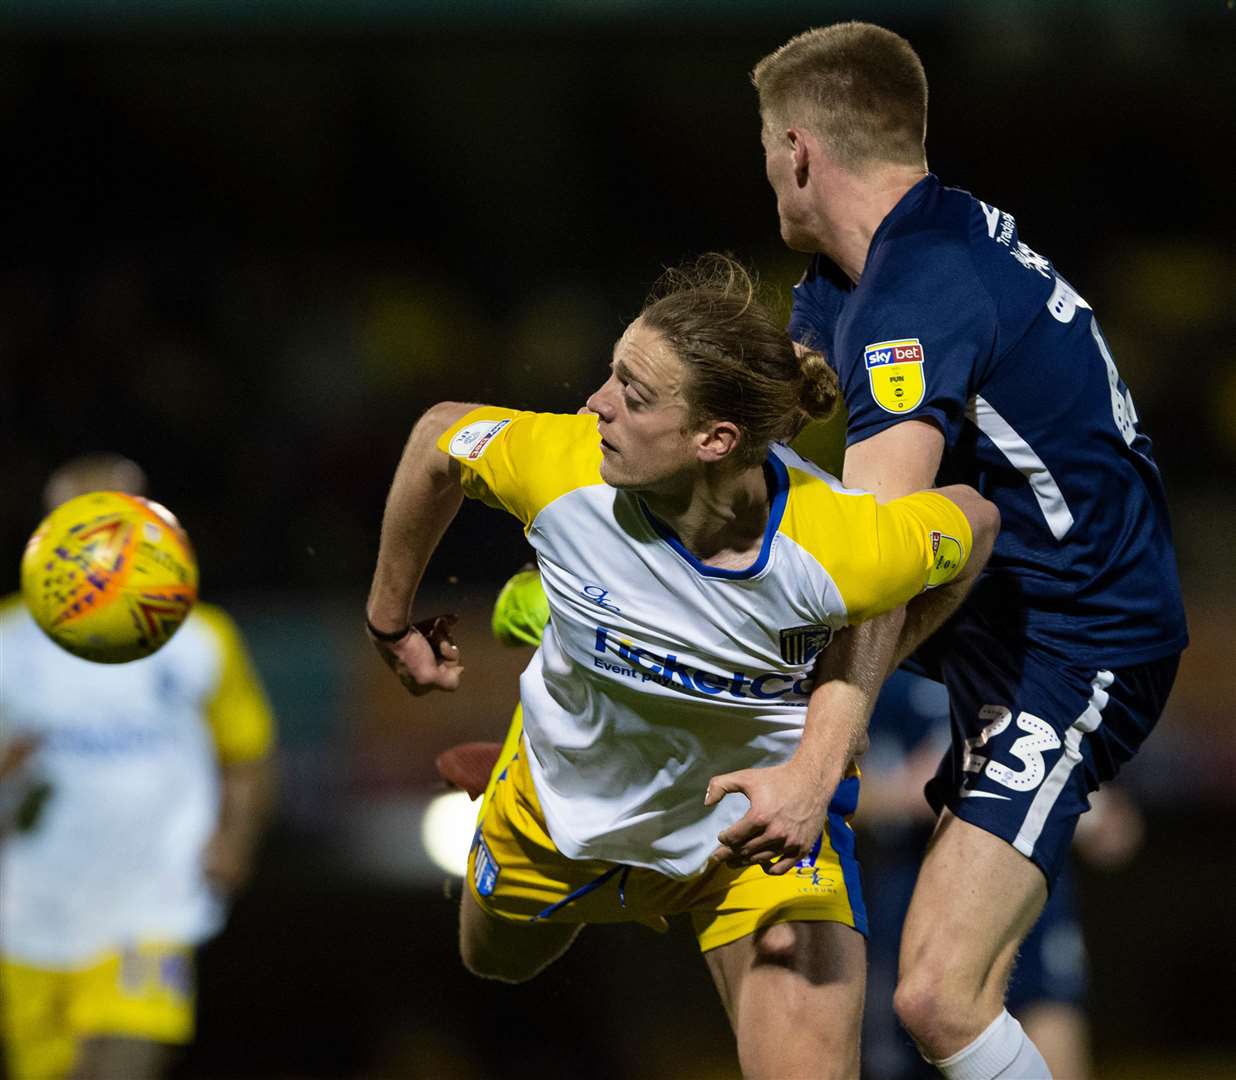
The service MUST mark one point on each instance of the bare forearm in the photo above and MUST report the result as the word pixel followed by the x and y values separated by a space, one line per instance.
pixel 424 497
pixel 848 678
pixel 924 615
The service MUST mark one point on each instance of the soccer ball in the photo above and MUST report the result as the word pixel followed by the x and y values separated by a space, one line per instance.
pixel 109 577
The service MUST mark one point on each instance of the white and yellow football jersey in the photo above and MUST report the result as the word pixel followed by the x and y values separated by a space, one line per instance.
pixel 131 754
pixel 658 672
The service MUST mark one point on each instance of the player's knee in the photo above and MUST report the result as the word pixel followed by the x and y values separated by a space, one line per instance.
pixel 914 1005
pixel 935 1008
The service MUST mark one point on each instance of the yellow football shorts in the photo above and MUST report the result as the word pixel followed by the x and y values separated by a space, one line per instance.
pixel 140 992
pixel 516 873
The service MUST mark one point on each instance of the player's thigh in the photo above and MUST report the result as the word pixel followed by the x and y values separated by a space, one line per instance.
pixel 513 951
pixel 788 952
pixel 975 900
pixel 794 994
pixel 825 959
pixel 524 901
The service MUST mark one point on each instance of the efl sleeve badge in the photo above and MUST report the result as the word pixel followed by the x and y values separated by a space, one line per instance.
pixel 470 441
pixel 948 558
pixel 895 370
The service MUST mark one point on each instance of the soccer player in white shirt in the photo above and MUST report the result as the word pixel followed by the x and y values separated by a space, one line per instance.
pixel 699 577
pixel 153 783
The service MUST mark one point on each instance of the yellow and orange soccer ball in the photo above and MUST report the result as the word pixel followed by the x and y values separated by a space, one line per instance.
pixel 109 577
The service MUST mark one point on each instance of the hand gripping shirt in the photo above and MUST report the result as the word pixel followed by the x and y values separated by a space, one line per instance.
pixel 131 754
pixel 657 672
pixel 956 321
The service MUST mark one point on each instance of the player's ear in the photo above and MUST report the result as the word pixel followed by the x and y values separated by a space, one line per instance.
pixel 718 440
pixel 800 148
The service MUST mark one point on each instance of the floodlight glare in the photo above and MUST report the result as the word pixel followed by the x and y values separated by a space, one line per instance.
pixel 446 831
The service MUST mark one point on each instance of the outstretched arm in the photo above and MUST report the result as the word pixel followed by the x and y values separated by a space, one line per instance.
pixel 424 497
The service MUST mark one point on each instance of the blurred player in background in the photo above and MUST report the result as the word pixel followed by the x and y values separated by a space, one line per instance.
pixel 962 354
pixel 909 731
pixel 693 573
pixel 136 795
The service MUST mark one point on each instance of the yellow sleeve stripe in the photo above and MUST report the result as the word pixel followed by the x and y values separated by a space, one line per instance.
pixel 523 461
pixel 238 712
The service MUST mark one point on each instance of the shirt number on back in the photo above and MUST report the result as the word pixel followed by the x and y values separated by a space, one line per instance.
pixel 1063 304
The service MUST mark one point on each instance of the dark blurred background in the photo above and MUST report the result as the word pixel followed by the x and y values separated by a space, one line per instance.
pixel 246 243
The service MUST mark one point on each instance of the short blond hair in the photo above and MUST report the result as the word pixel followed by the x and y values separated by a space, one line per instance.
pixel 860 88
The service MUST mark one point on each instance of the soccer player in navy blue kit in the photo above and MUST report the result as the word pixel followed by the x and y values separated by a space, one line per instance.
pixel 962 353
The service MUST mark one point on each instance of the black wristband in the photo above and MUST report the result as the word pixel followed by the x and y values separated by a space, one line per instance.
pixel 387 635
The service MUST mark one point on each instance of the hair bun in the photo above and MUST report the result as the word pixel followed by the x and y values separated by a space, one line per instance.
pixel 820 389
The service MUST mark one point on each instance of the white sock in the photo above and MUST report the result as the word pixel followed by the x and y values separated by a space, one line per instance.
pixel 1002 1052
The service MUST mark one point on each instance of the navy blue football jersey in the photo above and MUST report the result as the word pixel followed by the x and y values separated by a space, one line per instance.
pixel 957 322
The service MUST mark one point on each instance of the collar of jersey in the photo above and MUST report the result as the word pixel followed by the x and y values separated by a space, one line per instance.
pixel 908 203
pixel 778 488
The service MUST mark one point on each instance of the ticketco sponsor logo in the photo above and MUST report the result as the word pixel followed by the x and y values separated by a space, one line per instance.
pixel 624 658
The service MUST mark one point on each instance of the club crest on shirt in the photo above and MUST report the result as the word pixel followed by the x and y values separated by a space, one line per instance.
pixel 800 644
pixel 895 369
pixel 471 440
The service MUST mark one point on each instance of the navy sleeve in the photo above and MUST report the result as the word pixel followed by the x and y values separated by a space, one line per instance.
pixel 919 342
pixel 818 300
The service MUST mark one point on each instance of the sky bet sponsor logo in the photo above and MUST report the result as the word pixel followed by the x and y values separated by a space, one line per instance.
pixel 895 370
pixel 909 351
pixel 628 660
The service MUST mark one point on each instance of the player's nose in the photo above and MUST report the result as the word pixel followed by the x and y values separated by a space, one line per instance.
pixel 601 403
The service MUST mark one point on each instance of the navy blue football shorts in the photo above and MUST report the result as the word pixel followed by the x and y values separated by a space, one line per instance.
pixel 1033 735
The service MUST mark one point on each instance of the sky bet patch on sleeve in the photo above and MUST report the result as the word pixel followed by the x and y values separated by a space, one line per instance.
pixel 471 440
pixel 895 369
